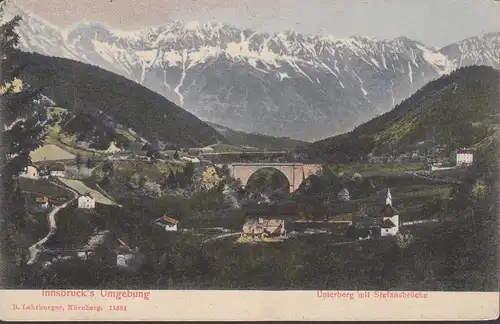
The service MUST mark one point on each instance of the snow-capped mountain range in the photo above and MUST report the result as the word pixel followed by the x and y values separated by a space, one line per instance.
pixel 281 84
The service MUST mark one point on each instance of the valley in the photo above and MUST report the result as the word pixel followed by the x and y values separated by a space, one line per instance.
pixel 206 156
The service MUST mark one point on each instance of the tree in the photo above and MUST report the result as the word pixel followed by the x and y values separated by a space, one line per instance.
pixel 152 153
pixel 23 121
pixel 90 162
pixel 108 168
pixel 189 171
pixel 152 189
pixel 333 178
pixel 171 178
pixel 433 207
pixel 176 155
pixel 78 161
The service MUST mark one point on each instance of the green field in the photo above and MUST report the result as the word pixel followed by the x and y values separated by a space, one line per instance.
pixel 43 187
pixel 454 174
pixel 368 170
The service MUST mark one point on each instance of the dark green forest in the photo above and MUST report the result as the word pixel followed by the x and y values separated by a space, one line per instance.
pixel 259 140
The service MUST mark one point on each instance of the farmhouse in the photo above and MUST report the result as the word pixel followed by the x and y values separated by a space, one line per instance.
pixel 463 157
pixel 168 223
pixel 264 227
pixel 86 201
pixel 43 202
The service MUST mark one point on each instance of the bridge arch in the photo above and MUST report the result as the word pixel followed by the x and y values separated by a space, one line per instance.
pixel 271 178
pixel 295 173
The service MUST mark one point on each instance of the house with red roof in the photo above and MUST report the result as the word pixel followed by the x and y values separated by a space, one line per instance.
pixel 168 223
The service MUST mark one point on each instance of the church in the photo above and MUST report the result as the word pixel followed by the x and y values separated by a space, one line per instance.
pixel 384 223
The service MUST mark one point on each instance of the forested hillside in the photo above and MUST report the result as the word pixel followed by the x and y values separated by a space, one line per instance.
pixel 80 87
pixel 460 109
pixel 257 140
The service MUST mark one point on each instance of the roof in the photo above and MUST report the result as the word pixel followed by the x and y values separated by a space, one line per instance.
pixel 123 244
pixel 166 219
pixel 389 211
pixel 388 224
pixel 42 199
pixel 56 167
pixel 86 195
pixel 344 192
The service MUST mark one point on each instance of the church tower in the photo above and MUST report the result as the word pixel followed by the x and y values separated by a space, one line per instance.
pixel 388 200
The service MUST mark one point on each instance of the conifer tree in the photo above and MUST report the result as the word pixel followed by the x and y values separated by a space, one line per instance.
pixel 23 120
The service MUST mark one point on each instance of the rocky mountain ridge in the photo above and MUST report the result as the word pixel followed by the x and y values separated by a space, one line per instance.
pixel 280 84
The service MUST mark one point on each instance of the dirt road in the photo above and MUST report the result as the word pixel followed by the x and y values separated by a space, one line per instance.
pixel 51 218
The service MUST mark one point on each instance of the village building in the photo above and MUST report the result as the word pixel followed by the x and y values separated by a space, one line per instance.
pixel 43 202
pixel 344 195
pixel 385 223
pixel 168 223
pixel 57 170
pixel 43 172
pixel 463 157
pixel 128 258
pixel 264 227
pixel 30 171
pixel 86 201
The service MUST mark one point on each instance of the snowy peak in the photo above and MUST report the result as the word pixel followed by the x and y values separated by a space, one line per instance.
pixel 283 84
pixel 479 50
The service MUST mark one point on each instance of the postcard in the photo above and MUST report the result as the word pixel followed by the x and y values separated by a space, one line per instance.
pixel 249 160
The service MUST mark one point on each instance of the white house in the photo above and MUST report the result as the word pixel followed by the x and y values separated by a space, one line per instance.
pixel 463 157
pixel 86 202
pixel 168 223
pixel 344 195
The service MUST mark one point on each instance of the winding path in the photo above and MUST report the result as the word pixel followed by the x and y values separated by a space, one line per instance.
pixel 221 237
pixel 441 180
pixel 36 248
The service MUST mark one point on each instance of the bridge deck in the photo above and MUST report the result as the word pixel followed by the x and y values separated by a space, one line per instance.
pixel 265 164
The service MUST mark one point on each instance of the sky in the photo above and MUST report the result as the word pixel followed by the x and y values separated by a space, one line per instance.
pixel 433 22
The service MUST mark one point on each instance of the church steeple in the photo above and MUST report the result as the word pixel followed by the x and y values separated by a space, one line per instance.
pixel 388 200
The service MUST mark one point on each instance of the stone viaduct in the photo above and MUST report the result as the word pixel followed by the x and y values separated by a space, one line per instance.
pixel 295 173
